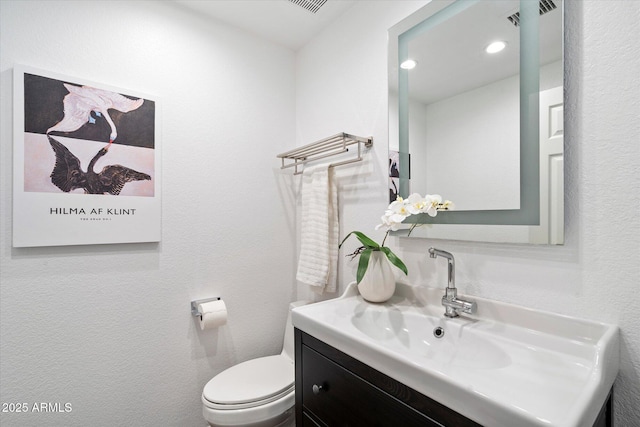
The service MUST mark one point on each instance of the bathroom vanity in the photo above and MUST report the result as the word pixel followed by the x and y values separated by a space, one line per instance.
pixel 363 364
pixel 335 389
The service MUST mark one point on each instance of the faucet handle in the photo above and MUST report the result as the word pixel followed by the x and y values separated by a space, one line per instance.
pixel 469 307
pixel 455 305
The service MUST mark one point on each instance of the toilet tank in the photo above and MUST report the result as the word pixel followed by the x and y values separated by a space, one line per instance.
pixel 287 346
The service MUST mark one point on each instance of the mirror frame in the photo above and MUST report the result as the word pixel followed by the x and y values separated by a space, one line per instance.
pixel 477 225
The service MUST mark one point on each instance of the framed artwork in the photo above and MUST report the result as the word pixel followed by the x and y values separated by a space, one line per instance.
pixel 394 189
pixel 399 174
pixel 394 164
pixel 86 162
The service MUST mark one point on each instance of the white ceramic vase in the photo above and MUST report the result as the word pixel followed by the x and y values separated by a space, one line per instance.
pixel 378 283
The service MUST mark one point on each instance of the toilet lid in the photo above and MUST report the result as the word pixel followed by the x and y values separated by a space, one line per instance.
pixel 250 381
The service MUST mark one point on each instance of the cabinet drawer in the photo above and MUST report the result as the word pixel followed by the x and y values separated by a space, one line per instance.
pixel 341 398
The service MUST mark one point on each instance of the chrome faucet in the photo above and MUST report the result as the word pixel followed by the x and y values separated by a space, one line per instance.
pixel 450 300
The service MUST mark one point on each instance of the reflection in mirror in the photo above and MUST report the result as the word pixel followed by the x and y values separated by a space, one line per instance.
pixel 482 129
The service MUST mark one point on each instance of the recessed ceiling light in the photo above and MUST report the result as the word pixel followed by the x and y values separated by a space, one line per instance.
pixel 409 64
pixel 496 47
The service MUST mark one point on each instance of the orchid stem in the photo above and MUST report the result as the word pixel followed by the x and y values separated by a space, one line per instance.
pixel 385 238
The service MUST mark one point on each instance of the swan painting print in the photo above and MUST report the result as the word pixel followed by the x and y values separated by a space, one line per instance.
pixel 86 162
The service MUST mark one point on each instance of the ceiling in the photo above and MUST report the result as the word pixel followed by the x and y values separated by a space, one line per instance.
pixel 279 21
pixel 451 56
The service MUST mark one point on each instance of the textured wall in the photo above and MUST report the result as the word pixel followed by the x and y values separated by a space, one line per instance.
pixel 108 328
pixel 595 275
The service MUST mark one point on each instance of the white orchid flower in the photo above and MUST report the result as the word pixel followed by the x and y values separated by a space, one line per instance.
pixel 391 221
pixel 432 202
pixel 401 209
pixel 398 207
pixel 448 205
pixel 415 204
pixel 433 198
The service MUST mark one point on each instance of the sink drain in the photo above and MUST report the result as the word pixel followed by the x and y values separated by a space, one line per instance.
pixel 438 332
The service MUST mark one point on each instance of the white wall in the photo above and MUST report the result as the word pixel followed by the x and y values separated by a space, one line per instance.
pixel 477 132
pixel 341 85
pixel 108 328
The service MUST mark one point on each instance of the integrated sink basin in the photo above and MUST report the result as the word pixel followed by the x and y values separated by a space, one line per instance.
pixel 429 340
pixel 503 366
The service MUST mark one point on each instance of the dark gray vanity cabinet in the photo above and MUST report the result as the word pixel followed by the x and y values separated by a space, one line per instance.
pixel 336 390
pixel 333 389
pixel 605 417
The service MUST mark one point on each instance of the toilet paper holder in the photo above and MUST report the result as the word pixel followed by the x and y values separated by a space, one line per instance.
pixel 196 303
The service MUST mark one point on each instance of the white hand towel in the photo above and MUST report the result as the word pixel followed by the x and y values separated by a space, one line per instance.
pixel 317 265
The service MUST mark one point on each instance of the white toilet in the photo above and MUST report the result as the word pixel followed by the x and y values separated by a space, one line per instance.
pixel 255 393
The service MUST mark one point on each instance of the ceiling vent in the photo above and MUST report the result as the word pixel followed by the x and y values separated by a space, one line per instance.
pixel 311 5
pixel 545 6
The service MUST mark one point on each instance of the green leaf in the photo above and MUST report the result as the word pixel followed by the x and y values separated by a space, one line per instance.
pixel 394 259
pixel 363 264
pixel 367 242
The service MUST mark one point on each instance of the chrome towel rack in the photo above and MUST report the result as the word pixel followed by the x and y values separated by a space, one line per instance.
pixel 326 147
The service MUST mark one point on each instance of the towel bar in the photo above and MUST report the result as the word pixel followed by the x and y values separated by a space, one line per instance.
pixel 327 147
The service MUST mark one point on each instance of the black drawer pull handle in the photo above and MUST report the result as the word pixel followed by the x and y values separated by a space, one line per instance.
pixel 317 389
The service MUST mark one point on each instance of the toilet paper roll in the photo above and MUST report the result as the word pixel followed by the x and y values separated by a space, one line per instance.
pixel 214 314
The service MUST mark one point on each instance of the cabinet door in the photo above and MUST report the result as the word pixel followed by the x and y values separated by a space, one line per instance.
pixel 339 398
pixel 307 421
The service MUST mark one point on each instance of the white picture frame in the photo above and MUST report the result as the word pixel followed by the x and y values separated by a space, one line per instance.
pixel 62 125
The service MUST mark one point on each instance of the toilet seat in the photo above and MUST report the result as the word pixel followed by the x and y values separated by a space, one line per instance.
pixel 250 384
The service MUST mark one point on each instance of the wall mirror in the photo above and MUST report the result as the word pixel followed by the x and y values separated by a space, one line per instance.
pixel 482 129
